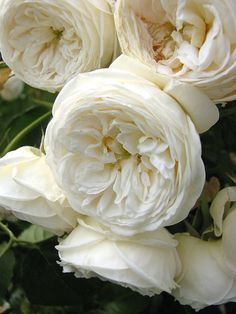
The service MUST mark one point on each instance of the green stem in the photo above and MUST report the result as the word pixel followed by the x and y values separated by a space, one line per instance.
pixel 227 112
pixel 25 244
pixel 205 212
pixel 188 310
pixel 7 231
pixel 44 103
pixel 25 131
pixel 191 229
pixel 12 238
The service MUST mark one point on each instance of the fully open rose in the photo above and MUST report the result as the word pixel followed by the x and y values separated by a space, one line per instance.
pixel 124 151
pixel 193 41
pixel 47 42
pixel 146 263
pixel 29 191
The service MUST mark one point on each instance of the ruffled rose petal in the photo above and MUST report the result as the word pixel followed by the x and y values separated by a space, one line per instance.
pixel 29 191
pixel 146 263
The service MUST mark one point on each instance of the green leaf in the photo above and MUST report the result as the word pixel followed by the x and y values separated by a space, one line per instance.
pixel 126 306
pixel 7 263
pixel 191 230
pixel 114 299
pixel 41 283
pixel 22 134
pixel 17 115
pixel 206 218
pixel 45 285
pixel 35 234
pixel 3 248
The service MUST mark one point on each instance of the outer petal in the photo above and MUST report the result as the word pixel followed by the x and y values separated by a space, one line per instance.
pixel 228 240
pixel 204 280
pixel 146 263
pixel 190 98
pixel 219 207
pixel 28 190
pixel 223 213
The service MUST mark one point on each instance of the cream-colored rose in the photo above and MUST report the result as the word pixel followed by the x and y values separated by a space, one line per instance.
pixel 28 190
pixel 193 41
pixel 205 279
pixel 147 262
pixel 124 152
pixel 209 268
pixel 46 43
pixel 12 88
pixel 223 211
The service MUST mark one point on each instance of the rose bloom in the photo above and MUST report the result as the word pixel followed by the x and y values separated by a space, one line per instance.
pixel 146 263
pixel 223 212
pixel 208 274
pixel 205 279
pixel 192 41
pixel 29 191
pixel 46 43
pixel 124 151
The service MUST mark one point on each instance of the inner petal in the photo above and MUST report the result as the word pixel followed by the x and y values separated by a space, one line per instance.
pixel 39 37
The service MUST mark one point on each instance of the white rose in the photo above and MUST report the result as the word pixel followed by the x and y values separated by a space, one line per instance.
pixel 223 211
pixel 124 152
pixel 12 88
pixel 146 263
pixel 205 279
pixel 46 43
pixel 28 190
pixel 193 41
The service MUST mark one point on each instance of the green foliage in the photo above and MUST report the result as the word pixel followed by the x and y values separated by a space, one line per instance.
pixel 218 145
pixel 34 234
pixel 7 263
pixel 23 120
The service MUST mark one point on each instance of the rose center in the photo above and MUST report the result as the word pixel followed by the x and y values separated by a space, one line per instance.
pixel 162 43
pixel 113 146
pixel 57 32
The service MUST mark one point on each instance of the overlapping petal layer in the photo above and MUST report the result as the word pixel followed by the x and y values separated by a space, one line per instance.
pixel 124 152
pixel 29 191
pixel 146 263
pixel 205 279
pixel 190 40
pixel 46 43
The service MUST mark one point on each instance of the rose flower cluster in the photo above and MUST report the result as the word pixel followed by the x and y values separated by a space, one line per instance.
pixel 122 154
